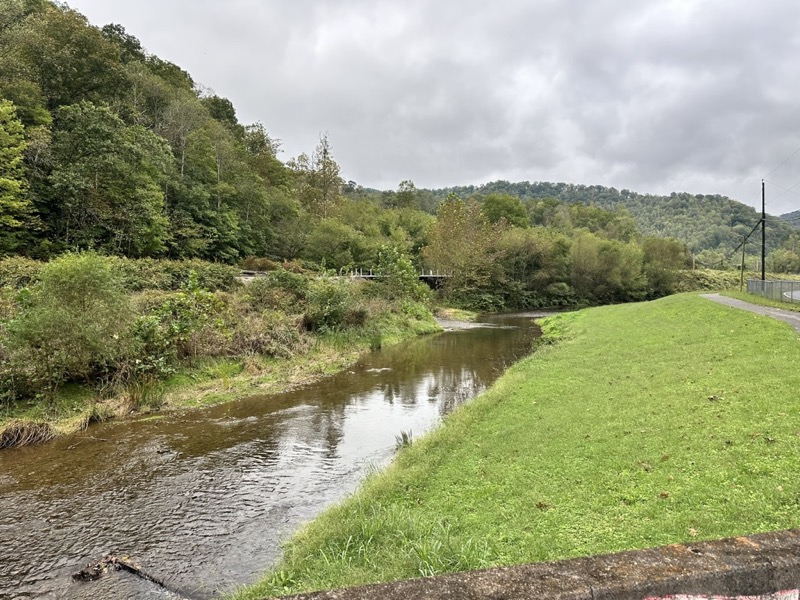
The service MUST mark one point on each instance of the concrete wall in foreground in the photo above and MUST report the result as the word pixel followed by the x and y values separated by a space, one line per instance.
pixel 764 566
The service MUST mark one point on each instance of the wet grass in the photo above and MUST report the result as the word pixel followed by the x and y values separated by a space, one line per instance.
pixel 646 424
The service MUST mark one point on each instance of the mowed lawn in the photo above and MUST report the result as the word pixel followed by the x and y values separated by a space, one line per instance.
pixel 645 424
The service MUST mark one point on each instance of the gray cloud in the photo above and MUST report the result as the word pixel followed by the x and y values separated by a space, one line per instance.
pixel 687 95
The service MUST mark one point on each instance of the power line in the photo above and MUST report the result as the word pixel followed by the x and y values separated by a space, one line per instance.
pixel 744 241
pixel 789 190
pixel 787 159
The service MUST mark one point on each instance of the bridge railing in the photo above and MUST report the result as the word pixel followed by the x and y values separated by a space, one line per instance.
pixel 782 291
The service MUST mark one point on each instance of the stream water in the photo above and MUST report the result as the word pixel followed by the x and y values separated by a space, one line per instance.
pixel 202 499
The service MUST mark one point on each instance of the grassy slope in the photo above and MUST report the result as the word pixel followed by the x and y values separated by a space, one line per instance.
pixel 648 424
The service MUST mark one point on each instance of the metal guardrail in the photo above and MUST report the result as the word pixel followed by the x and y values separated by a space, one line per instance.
pixel 782 291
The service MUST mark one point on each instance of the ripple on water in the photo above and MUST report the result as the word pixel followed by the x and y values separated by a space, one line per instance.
pixel 204 499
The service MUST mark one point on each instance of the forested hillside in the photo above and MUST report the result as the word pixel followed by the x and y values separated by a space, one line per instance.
pixel 703 222
pixel 106 147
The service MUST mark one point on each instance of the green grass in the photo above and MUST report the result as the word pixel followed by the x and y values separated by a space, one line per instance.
pixel 761 300
pixel 646 424
pixel 457 314
pixel 70 401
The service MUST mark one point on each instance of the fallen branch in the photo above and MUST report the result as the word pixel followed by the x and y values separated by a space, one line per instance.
pixel 96 569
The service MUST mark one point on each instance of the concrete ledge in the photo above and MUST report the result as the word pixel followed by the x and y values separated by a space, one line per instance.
pixel 744 566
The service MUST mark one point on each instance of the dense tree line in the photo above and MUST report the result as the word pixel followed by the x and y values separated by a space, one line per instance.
pixel 707 223
pixel 104 146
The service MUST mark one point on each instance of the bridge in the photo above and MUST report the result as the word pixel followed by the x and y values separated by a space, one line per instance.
pixel 435 280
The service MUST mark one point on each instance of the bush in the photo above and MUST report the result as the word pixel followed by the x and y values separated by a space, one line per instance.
pixel 147 273
pixel 399 277
pixel 72 325
pixel 271 333
pixel 255 263
pixel 17 272
pixel 280 289
pixel 327 304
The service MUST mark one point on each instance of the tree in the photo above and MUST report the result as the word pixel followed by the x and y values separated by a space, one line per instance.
pixel 317 181
pixel 14 202
pixel 130 47
pixel 462 245
pixel 70 60
pixel 606 271
pixel 406 196
pixel 533 259
pixel 223 111
pixel 107 183
pixel 398 275
pixel 662 259
pixel 505 206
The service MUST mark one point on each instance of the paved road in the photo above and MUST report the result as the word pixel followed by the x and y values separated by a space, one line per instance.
pixel 787 316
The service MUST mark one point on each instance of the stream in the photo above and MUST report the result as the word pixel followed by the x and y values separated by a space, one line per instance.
pixel 202 499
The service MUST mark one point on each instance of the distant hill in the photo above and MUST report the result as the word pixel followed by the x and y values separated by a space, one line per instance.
pixel 792 219
pixel 703 222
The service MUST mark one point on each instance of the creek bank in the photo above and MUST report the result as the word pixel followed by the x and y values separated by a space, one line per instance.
pixel 646 424
pixel 216 381
pixel 202 499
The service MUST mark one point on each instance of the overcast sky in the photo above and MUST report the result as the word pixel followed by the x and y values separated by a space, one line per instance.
pixel 654 96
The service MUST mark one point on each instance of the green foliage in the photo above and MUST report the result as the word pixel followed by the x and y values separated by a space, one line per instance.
pixel 398 275
pixel 14 202
pixel 316 179
pixel 17 272
pixel 663 258
pixel 269 333
pixel 700 221
pixel 134 274
pixel 336 245
pixel 463 246
pixel 106 147
pixel 606 271
pixel 108 178
pixel 328 304
pixel 71 325
pixel 784 261
pixel 506 207
pixel 280 289
pixel 185 313
pixel 533 261
pixel 148 273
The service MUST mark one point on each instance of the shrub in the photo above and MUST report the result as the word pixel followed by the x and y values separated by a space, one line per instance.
pixel 262 294
pixel 72 324
pixel 327 304
pixel 186 312
pixel 17 272
pixel 280 289
pixel 271 333
pixel 255 263
pixel 398 275
pixel 292 282
pixel 147 273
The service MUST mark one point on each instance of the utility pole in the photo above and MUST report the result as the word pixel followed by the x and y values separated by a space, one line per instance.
pixel 741 275
pixel 763 236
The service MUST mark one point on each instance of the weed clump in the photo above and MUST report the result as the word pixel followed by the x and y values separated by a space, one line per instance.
pixel 23 433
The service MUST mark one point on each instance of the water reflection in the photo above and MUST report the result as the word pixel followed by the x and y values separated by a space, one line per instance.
pixel 202 499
